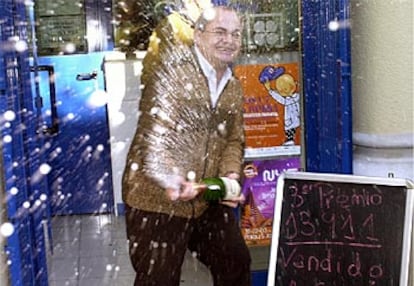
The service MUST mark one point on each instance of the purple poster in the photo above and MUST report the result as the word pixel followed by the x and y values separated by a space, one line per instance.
pixel 259 188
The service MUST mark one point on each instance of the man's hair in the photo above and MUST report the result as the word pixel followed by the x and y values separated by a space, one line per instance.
pixel 202 21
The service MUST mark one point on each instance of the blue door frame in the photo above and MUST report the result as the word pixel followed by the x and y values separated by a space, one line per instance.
pixel 25 186
pixel 23 150
pixel 327 86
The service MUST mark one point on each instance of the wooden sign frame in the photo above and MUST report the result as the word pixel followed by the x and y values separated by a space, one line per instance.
pixel 280 204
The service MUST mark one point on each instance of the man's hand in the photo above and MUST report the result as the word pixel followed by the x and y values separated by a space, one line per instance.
pixel 233 175
pixel 234 202
pixel 186 192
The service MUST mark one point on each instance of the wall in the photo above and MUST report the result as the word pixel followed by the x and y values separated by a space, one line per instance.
pixel 382 81
pixel 122 80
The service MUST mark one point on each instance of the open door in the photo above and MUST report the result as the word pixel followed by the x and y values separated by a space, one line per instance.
pixel 71 40
pixel 79 155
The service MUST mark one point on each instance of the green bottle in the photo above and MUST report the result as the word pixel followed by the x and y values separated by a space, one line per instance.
pixel 215 189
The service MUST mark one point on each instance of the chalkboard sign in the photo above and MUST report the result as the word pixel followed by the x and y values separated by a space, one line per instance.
pixel 341 230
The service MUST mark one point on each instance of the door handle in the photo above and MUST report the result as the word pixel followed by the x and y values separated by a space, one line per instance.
pixel 87 76
pixel 54 128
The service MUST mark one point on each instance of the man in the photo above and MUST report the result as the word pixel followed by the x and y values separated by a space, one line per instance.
pixel 190 127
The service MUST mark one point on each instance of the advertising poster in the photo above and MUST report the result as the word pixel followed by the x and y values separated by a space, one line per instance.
pixel 259 188
pixel 272 108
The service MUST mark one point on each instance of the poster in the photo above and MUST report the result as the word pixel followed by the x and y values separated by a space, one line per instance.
pixel 259 188
pixel 272 109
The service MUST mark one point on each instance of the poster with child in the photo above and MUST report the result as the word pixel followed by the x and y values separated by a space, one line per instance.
pixel 271 110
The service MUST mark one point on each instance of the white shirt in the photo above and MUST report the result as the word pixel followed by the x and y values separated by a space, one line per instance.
pixel 210 73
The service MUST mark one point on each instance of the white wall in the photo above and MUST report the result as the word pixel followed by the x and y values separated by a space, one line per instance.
pixel 382 90
pixel 382 87
pixel 122 80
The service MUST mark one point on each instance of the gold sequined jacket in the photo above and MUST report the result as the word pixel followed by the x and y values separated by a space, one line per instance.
pixel 180 132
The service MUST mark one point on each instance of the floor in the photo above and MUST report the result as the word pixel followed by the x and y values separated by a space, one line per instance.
pixel 92 250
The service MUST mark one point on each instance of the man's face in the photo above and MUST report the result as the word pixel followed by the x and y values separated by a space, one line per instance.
pixel 220 40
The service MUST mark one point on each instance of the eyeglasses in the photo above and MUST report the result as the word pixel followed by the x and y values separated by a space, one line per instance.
pixel 222 34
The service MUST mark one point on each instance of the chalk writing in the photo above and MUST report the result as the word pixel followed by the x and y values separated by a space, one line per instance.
pixel 339 234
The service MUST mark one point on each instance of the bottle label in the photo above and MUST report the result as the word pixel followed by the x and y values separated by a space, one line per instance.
pixel 233 188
